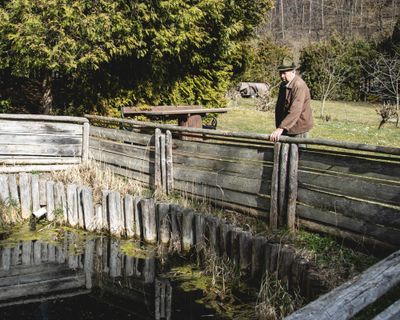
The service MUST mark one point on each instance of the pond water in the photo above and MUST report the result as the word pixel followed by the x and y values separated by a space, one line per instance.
pixel 56 273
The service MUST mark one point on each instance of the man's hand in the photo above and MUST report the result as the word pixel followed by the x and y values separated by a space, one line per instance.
pixel 276 134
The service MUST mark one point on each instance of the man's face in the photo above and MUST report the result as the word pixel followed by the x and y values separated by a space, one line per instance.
pixel 286 76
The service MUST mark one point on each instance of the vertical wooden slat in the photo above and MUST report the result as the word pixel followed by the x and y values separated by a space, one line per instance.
pixel 187 229
pixel 164 223
pixel 72 205
pixel 60 199
pixel 42 192
pixel 98 217
pixel 35 193
pixel 273 214
pixel 292 186
pixel 138 218
pixel 170 163
pixel 282 193
pixel 85 141
pixel 88 209
pixel 25 193
pixel 81 221
pixel 12 183
pixel 163 163
pixel 157 159
pixel 129 216
pixel 106 217
pixel 4 189
pixel 50 200
pixel 149 220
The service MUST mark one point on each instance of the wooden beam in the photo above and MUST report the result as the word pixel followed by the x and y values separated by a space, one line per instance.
pixel 292 186
pixel 273 213
pixel 35 117
pixel 351 297
pixel 390 313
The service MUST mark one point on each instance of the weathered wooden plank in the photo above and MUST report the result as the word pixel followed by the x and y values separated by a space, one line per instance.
pixel 42 192
pixel 292 186
pixel 88 209
pixel 50 200
pixel 170 163
pixel 35 192
pixel 164 223
pixel 157 160
pixel 359 187
pixel 121 135
pixel 120 160
pixel 115 214
pixel 148 211
pixel 163 164
pixel 187 229
pixel 85 141
pixel 41 117
pixel 274 206
pixel 359 226
pixel 218 193
pixel 20 160
pixel 98 217
pixel 129 216
pixel 13 186
pixel 25 192
pixel 390 313
pixel 30 138
pixel 72 205
pixel 4 189
pixel 104 208
pixel 354 164
pixel 39 127
pixel 60 203
pixel 282 191
pixel 249 169
pixel 133 151
pixel 135 175
pixel 67 150
pixel 369 212
pixel 223 181
pixel 229 152
pixel 348 299
pixel 35 168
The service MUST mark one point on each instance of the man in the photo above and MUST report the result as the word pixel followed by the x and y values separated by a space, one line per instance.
pixel 293 114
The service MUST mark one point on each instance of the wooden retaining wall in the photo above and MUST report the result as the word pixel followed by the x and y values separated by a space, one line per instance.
pixel 352 191
pixel 42 143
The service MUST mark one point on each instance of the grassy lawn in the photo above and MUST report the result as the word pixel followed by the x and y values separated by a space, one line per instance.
pixel 349 121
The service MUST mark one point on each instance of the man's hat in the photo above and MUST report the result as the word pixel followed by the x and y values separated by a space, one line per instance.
pixel 287 65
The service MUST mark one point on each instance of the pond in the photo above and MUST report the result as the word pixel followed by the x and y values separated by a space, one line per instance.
pixel 58 273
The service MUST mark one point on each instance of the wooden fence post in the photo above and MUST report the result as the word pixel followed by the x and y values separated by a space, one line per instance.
pixel 157 159
pixel 35 193
pixel 50 200
pixel 273 214
pixel 282 194
pixel 149 220
pixel 4 189
pixel 12 183
pixel 85 141
pixel 292 186
pixel 72 205
pixel 88 208
pixel 170 163
pixel 25 190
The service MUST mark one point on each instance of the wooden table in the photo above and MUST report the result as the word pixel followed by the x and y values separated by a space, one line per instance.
pixel 188 116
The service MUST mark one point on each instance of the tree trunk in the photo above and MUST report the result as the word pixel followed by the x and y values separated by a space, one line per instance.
pixel 47 97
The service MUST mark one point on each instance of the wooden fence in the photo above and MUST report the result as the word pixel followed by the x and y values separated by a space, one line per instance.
pixel 344 189
pixel 42 143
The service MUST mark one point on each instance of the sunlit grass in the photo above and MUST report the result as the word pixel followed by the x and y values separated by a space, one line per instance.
pixel 344 121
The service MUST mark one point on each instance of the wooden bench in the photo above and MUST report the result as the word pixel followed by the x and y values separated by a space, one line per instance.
pixel 187 116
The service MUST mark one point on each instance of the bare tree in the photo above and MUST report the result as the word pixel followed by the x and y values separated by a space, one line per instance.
pixel 384 72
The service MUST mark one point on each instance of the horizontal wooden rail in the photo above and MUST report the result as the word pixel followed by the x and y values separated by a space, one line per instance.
pixel 39 117
pixel 253 136
pixel 348 299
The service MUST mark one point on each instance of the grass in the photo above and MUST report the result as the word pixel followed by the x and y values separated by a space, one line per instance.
pixel 347 121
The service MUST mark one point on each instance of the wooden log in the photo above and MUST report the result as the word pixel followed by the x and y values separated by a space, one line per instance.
pixel 164 223
pixel 157 160
pixel 104 209
pixel 163 163
pixel 299 270
pixel 4 189
pixel 225 237
pixel 187 229
pixel 138 218
pixel 245 243
pixel 169 161
pixel 283 193
pixel 60 201
pixel 26 256
pixel 199 233
pixel 149 220
pixel 72 205
pixel 13 187
pixel 98 217
pixel 258 257
pixel 286 258
pixel 274 208
pixel 50 200
pixel 114 207
pixel 348 299
pixel 212 233
pixel 88 209
pixel 42 192
pixel 25 192
pixel 37 252
pixel 115 255
pixel 235 246
pixel 176 228
pixel 129 216
pixel 5 258
pixel 390 313
pixel 35 192
pixel 272 251
pixel 81 218
pixel 292 186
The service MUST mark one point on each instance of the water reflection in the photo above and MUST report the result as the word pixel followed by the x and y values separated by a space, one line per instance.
pixel 69 280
